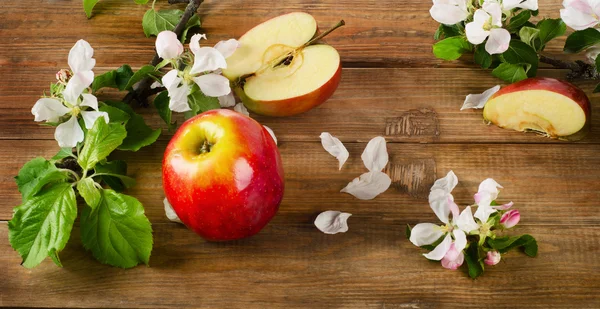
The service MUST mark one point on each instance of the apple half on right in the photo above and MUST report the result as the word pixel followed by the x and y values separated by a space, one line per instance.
pixel 549 106
pixel 277 72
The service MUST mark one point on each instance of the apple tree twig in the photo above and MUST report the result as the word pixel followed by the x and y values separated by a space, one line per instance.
pixel 579 69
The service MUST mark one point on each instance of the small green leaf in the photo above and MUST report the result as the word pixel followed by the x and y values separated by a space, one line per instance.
pixel 139 75
pixel 154 21
pixel 100 141
pixel 408 231
pixel 451 48
pixel 116 175
pixel 529 36
pixel 117 231
pixel 90 193
pixel 194 21
pixel 448 31
pixel 41 226
pixel 139 134
pixel 141 1
pixel 510 72
pixel 518 21
pixel 504 244
pixel 122 76
pixel 88 6
pixel 115 114
pixel 63 153
pixel 550 29
pixel 521 53
pixel 200 103
pixel 439 33
pixel 161 102
pixel 118 78
pixel 580 40
pixel 482 57
pixel 35 174
pixel 474 263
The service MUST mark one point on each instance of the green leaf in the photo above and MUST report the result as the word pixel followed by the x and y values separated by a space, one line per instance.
pixel 115 114
pixel 518 21
pixel 474 263
pixel 504 244
pixel 116 176
pixel 161 102
pixel 117 231
pixel 88 6
pixel 90 193
pixel 99 142
pixel 35 174
pixel 510 72
pixel 41 226
pixel 580 40
pixel 529 36
pixel 139 75
pixel 141 1
pixel 408 231
pixel 200 103
pixel 194 21
pixel 596 89
pixel 451 48
pixel 521 53
pixel 448 31
pixel 154 21
pixel 118 78
pixel 550 29
pixel 63 153
pixel 139 134
pixel 438 33
pixel 482 57
pixel 122 76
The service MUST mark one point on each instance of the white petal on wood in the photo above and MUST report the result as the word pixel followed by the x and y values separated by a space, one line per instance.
pixel 170 212
pixel 272 134
pixel 375 156
pixel 332 222
pixel 335 147
pixel 368 185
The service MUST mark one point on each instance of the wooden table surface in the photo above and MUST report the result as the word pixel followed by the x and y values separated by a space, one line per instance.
pixel 392 86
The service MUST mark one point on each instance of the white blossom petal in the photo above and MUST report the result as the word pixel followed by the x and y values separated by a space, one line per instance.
pixel 466 222
pixel 178 101
pixel 440 251
pixel 171 215
pixel 213 85
pixel 89 100
pixel 474 30
pixel 69 133
pixel 89 117
pixel 48 109
pixel 80 57
pixel 449 12
pixel 494 9
pixel 240 108
pixel 207 59
pixel 477 101
pixel 332 222
pixel 498 41
pixel 579 14
pixel 504 206
pixel 531 5
pixel 487 192
pixel 335 148
pixel 156 84
pixel 272 133
pixel 440 196
pixel 227 100
pixel 460 239
pixel 195 42
pixel 375 156
pixel 424 234
pixel 168 45
pixel 483 213
pixel 227 48
pixel 368 185
pixel 79 82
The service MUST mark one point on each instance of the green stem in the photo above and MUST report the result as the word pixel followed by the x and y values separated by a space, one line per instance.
pixel 70 171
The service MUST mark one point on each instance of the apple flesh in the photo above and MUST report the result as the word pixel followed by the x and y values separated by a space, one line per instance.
pixel 275 74
pixel 223 175
pixel 553 107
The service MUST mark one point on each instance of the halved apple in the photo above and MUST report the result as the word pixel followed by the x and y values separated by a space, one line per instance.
pixel 553 107
pixel 277 72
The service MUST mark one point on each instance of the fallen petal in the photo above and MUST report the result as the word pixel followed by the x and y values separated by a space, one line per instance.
pixel 335 148
pixel 171 215
pixel 375 156
pixel 368 185
pixel 227 100
pixel 477 101
pixel 332 222
pixel 272 133
pixel 240 108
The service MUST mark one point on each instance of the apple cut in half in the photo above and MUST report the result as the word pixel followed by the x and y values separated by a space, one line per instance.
pixel 276 72
pixel 549 106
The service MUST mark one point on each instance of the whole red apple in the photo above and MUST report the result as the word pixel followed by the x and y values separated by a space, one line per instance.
pixel 223 175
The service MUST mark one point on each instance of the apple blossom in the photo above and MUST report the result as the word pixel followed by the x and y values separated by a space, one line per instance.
pixel 580 14
pixel 168 45
pixel 510 218
pixel 492 258
pixel 487 24
pixel 177 90
pixel 449 12
pixel 207 60
pixel 487 193
pixel 531 5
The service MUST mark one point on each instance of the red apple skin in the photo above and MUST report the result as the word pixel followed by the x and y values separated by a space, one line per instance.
pixel 562 87
pixel 234 190
pixel 296 105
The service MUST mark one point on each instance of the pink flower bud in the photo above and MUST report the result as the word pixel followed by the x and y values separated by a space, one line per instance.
pixel 63 76
pixel 510 218
pixel 493 258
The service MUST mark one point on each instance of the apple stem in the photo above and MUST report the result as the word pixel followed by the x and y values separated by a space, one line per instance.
pixel 324 34
pixel 206 146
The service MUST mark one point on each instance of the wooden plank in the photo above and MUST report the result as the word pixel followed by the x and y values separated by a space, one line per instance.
pixel 550 184
pixel 295 266
pixel 405 105
pixel 396 33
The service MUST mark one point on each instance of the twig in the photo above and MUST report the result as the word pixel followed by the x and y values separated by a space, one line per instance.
pixel 579 69
pixel 142 90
